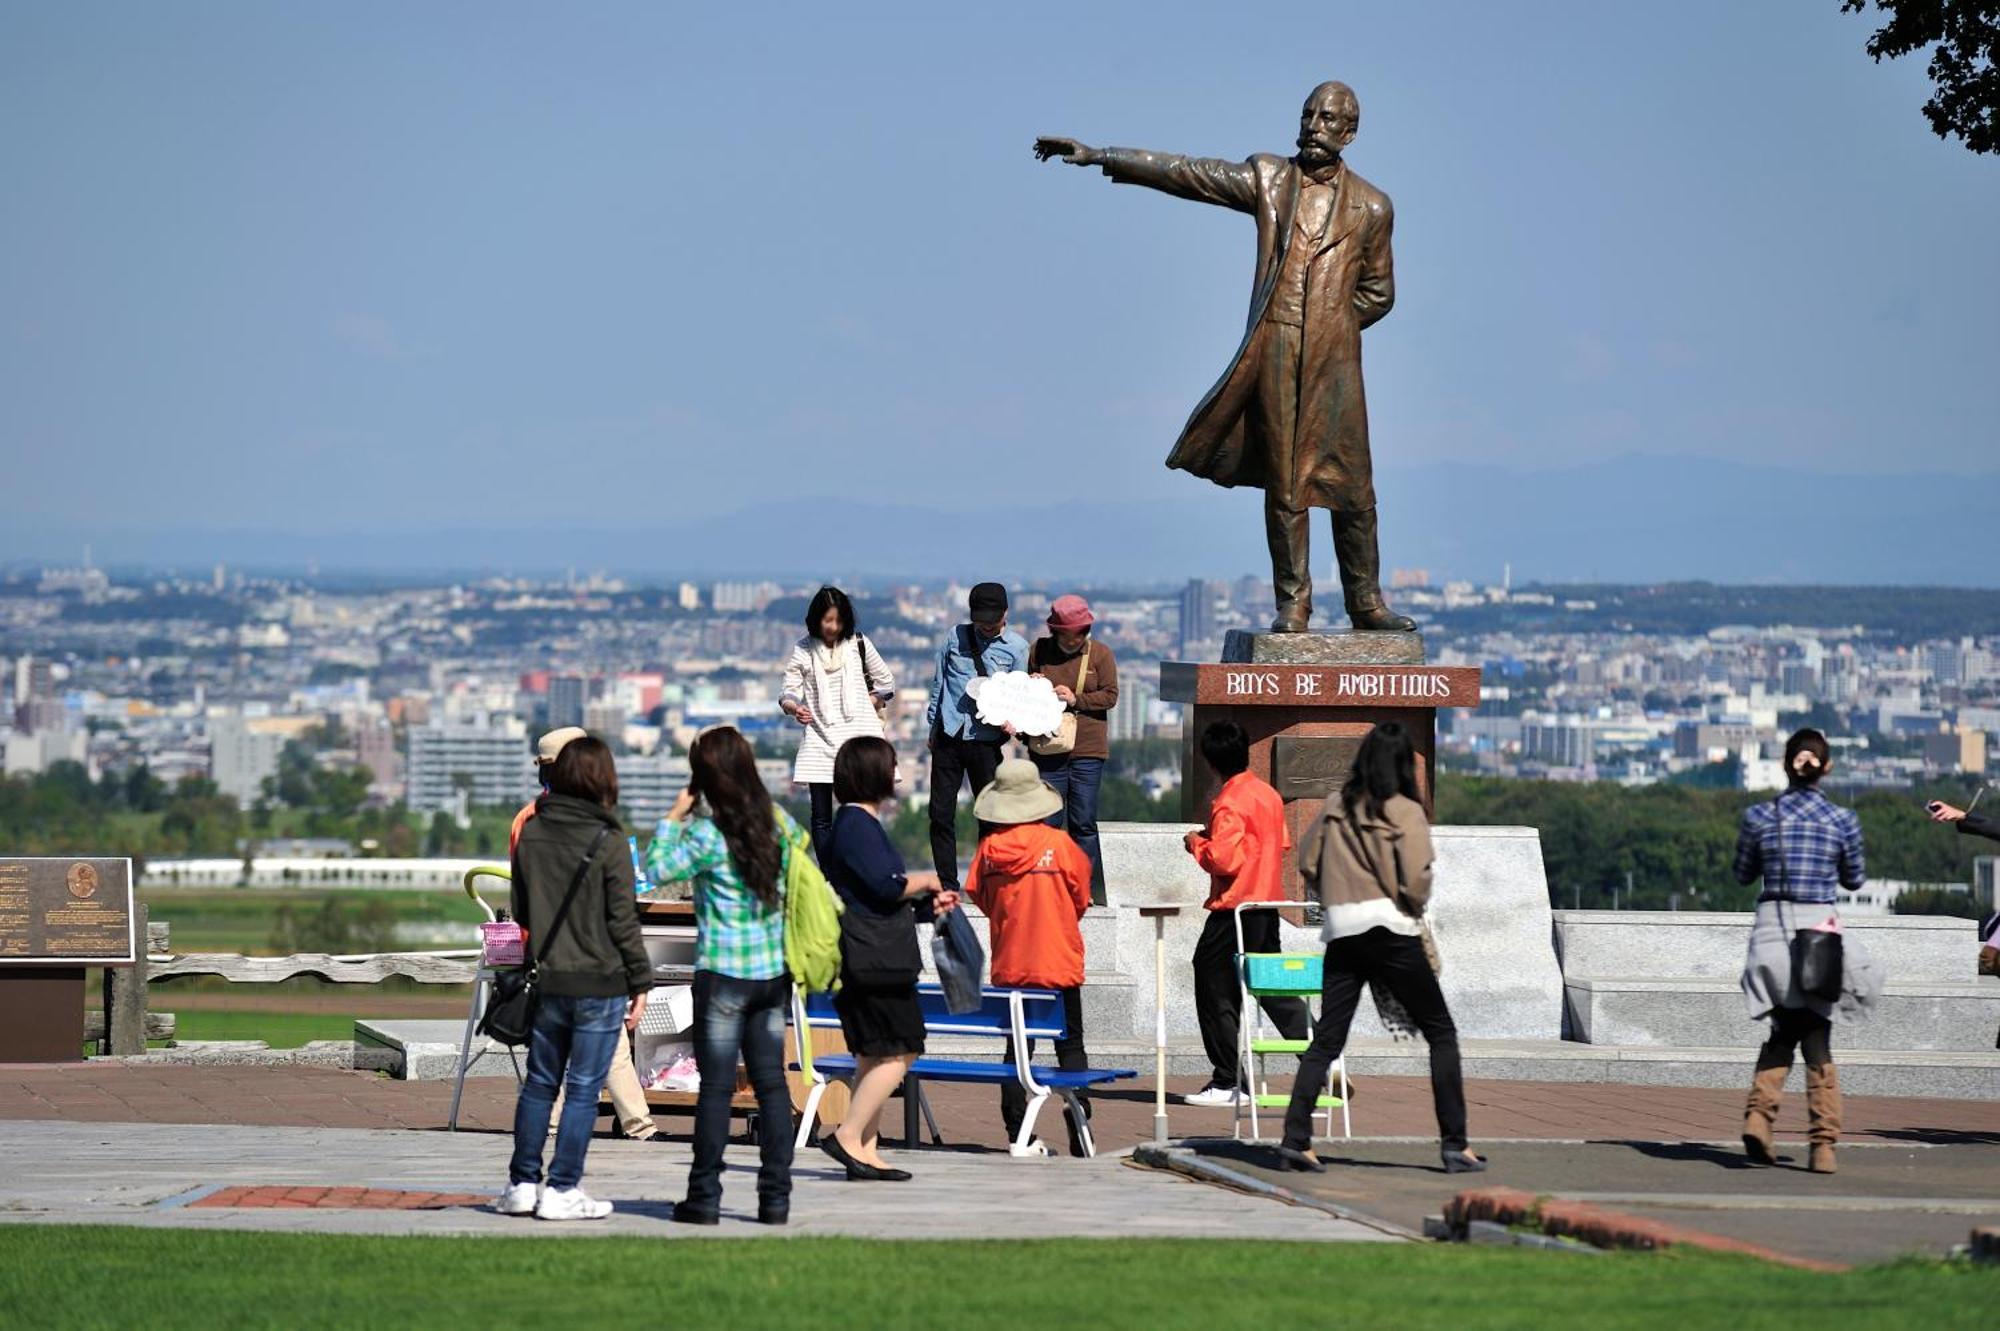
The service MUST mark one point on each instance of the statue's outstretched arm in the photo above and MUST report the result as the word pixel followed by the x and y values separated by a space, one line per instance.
pixel 1203 179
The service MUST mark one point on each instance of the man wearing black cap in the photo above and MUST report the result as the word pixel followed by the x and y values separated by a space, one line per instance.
pixel 961 744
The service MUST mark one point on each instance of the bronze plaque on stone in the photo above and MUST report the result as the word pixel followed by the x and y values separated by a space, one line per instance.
pixel 65 911
pixel 1311 768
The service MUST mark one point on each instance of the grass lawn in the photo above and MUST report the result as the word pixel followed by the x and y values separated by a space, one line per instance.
pixel 78 1277
pixel 280 1030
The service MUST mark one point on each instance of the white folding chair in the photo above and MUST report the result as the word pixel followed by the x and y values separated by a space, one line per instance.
pixel 1253 1046
pixel 482 989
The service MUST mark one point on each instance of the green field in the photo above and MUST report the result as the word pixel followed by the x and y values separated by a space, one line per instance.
pixel 117 1277
pixel 280 1030
pixel 293 1012
pixel 241 919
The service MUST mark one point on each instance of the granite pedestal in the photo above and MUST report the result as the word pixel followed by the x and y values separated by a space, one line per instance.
pixel 1307 701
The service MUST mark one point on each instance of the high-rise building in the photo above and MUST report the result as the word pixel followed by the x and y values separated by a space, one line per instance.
pixel 375 749
pixel 1197 615
pixel 727 598
pixel 606 720
pixel 566 699
pixel 493 767
pixel 690 596
pixel 648 787
pixel 33 679
pixel 1135 704
pixel 1561 741
pixel 242 755
pixel 1956 750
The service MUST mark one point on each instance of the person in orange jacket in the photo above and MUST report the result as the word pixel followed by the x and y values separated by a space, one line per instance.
pixel 1243 849
pixel 1033 884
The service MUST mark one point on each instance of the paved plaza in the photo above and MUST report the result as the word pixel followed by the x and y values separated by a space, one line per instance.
pixel 323 1150
pixel 155 1174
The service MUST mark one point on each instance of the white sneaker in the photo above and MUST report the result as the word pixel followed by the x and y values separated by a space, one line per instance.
pixel 518 1199
pixel 1212 1096
pixel 570 1204
pixel 1035 1147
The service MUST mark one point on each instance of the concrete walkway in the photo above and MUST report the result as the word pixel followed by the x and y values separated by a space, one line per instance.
pixel 149 1174
pixel 1886 1201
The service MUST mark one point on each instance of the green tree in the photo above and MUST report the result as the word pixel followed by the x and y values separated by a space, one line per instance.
pixel 1963 37
pixel 1934 901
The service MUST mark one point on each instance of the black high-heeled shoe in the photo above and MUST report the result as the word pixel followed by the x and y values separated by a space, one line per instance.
pixel 857 1172
pixel 1301 1161
pixel 1462 1161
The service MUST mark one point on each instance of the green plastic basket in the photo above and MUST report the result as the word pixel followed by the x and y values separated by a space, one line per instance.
pixel 1282 972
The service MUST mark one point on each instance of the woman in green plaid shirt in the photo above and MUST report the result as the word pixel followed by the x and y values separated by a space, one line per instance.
pixel 736 858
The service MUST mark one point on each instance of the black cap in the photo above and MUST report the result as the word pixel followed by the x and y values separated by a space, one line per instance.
pixel 988 602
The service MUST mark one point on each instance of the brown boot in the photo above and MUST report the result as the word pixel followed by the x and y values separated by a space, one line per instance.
pixel 1823 1108
pixel 1354 541
pixel 1767 1092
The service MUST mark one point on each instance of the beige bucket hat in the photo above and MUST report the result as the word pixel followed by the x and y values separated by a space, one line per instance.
pixel 551 745
pixel 1018 795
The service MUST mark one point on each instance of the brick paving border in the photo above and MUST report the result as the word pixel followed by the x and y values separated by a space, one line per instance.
pixel 281 1198
pixel 1600 1227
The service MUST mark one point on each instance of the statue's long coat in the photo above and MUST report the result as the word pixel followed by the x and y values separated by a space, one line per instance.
pixel 1328 460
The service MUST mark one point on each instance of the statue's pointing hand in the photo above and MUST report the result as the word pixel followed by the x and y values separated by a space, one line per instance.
pixel 1071 151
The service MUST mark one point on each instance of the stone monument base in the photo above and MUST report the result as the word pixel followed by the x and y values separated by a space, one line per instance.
pixel 1360 647
pixel 1307 701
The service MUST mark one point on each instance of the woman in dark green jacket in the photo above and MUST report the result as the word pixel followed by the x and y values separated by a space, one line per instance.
pixel 593 975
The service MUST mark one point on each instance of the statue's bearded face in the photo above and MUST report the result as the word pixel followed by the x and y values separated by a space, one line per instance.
pixel 1327 123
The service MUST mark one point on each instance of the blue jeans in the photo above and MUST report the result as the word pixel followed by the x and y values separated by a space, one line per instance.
pixel 1077 780
pixel 571 1046
pixel 746 1017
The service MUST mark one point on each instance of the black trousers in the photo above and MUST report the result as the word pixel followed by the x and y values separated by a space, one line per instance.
pixel 1397 962
pixel 1797 1029
pixel 1069 1056
pixel 821 793
pixel 1218 995
pixel 953 760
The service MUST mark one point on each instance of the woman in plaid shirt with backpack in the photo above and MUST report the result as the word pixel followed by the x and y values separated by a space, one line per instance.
pixel 736 858
pixel 1806 848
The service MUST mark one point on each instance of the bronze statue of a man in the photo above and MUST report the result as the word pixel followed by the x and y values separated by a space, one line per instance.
pixel 1289 414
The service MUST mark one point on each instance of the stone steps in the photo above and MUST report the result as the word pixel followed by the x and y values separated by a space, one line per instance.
pixel 1687 1013
pixel 1912 949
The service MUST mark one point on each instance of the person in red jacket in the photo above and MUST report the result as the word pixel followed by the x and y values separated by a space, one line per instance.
pixel 1033 884
pixel 1243 849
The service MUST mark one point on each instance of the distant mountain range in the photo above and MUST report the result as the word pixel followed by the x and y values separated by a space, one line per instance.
pixel 1629 519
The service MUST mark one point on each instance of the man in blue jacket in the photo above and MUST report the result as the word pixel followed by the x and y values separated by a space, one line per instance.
pixel 962 746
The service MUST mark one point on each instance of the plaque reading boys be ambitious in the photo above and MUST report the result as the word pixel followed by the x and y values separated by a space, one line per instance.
pixel 61 911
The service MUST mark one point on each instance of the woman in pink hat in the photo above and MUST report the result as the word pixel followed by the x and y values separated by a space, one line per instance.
pixel 1086 678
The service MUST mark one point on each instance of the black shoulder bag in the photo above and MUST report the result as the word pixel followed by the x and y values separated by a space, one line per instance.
pixel 510 1013
pixel 976 649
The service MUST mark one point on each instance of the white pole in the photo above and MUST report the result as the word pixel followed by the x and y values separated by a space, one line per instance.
pixel 1160 1028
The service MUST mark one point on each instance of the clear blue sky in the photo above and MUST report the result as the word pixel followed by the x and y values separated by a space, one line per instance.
pixel 376 266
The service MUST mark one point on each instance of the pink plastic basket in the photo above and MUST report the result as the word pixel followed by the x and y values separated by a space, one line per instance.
pixel 501 943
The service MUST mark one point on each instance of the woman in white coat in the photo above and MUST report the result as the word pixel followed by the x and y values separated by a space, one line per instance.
pixel 837 687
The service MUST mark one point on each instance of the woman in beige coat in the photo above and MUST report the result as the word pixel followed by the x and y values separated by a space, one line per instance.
pixel 1369 857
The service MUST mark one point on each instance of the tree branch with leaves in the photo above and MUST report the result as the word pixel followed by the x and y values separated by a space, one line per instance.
pixel 1964 41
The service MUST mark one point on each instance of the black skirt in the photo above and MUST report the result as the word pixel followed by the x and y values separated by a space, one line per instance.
pixel 880 1023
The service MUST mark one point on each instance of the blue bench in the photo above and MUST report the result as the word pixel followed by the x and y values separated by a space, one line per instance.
pixel 1014 1015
